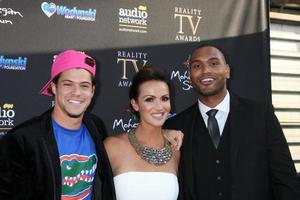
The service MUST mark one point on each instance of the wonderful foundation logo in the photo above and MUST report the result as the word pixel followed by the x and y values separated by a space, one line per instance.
pixel 49 9
pixel 13 63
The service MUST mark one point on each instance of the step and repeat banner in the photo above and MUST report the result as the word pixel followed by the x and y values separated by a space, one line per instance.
pixel 123 36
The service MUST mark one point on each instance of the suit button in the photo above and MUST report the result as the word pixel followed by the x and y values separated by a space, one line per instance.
pixel 220 194
pixel 219 178
pixel 218 161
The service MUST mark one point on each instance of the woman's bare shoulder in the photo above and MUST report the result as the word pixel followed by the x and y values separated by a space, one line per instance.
pixel 115 140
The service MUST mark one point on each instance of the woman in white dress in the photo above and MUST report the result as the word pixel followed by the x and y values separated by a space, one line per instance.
pixel 143 162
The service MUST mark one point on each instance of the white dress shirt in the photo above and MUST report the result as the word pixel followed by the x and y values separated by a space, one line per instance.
pixel 222 114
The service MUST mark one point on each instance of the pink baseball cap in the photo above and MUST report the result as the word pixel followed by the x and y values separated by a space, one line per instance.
pixel 69 59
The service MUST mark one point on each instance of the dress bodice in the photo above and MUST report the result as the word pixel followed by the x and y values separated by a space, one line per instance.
pixel 146 186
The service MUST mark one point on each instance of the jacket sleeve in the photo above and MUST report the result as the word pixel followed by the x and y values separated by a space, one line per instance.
pixel 13 172
pixel 283 173
pixel 5 175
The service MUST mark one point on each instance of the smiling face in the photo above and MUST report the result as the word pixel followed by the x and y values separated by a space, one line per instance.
pixel 152 103
pixel 73 93
pixel 209 72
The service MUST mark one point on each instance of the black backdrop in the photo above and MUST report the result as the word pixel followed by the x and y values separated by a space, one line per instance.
pixel 123 35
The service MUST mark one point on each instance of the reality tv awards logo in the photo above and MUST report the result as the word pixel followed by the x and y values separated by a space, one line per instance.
pixel 75 13
pixel 133 20
pixel 7 115
pixel 13 63
pixel 189 20
pixel 130 62
pixel 8 15
pixel 181 76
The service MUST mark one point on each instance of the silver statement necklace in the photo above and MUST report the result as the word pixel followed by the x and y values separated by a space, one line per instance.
pixel 151 155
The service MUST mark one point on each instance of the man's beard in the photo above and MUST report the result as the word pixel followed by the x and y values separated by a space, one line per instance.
pixel 75 115
pixel 215 91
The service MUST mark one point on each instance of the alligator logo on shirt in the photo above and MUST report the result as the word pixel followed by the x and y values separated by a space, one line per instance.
pixel 77 175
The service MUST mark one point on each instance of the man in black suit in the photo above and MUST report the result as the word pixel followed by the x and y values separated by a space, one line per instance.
pixel 233 148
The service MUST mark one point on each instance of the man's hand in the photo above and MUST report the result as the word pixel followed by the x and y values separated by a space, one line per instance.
pixel 175 137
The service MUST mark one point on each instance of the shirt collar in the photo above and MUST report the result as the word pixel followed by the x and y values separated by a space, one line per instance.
pixel 223 106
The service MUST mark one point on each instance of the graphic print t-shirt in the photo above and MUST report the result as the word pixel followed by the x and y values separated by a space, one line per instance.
pixel 78 161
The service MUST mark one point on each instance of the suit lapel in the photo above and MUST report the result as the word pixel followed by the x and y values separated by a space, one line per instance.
pixel 94 133
pixel 51 153
pixel 198 126
pixel 192 128
pixel 103 167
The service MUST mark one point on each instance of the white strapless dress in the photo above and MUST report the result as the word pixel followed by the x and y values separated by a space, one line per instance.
pixel 146 186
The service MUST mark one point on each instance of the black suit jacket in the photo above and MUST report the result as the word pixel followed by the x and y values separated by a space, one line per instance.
pixel 261 164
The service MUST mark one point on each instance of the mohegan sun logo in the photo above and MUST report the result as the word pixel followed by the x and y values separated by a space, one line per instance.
pixel 130 62
pixel 189 20
pixel 124 124
pixel 181 76
pixel 78 173
pixel 125 121
pixel 133 20
pixel 6 13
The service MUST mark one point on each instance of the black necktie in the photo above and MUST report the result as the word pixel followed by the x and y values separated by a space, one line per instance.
pixel 212 126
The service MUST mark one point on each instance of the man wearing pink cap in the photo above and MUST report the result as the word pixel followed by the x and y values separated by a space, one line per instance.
pixel 60 154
